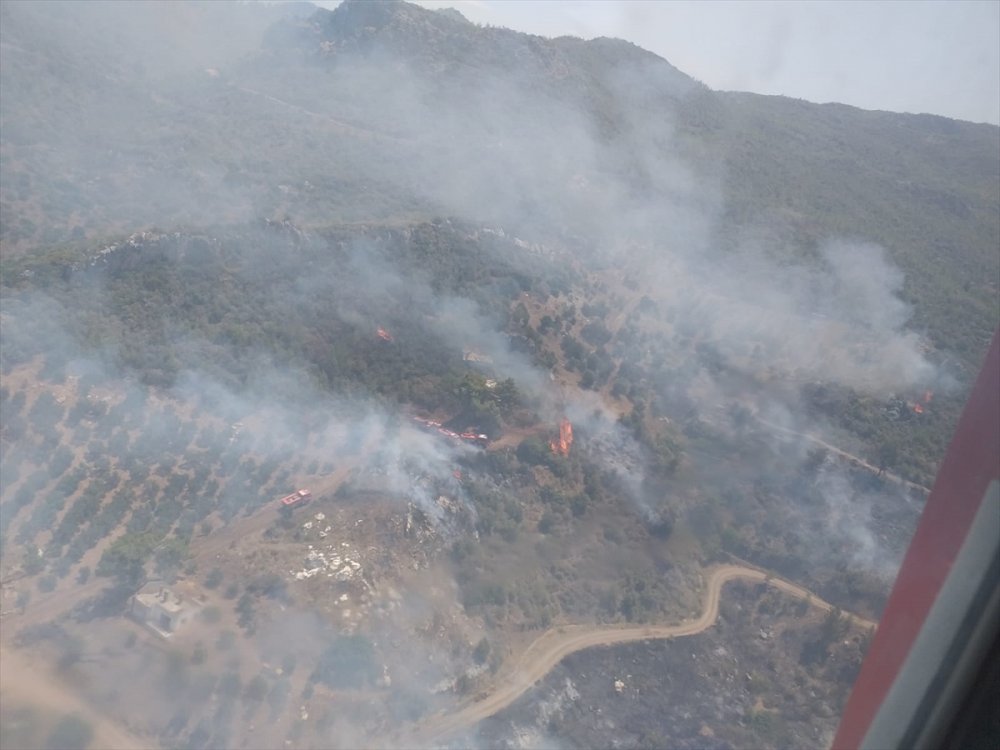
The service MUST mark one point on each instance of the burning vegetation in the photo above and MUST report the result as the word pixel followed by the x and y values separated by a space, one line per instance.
pixel 918 407
pixel 561 445
pixel 153 429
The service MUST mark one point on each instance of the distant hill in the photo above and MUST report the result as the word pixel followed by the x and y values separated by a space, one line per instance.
pixel 390 112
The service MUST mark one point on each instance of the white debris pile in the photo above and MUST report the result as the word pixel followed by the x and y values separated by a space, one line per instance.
pixel 558 703
pixel 316 523
pixel 339 565
pixel 475 671
pixel 323 531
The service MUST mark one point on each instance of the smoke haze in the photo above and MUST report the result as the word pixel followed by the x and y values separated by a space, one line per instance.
pixel 251 248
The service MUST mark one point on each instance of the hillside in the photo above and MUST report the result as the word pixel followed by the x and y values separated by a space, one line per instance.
pixel 548 328
pixel 385 110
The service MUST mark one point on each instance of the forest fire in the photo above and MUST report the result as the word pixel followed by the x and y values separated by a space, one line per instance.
pixel 918 408
pixel 383 334
pixel 565 441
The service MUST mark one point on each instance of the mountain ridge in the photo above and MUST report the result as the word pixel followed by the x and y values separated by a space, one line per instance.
pixel 591 138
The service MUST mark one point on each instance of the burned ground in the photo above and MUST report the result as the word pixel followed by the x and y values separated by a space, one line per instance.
pixel 770 674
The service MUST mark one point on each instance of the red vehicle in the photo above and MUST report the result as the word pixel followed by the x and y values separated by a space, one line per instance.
pixel 475 437
pixel 297 499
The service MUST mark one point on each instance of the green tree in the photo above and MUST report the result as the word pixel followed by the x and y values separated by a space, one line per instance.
pixel 520 315
pixel 533 451
pixel 888 455
pixel 666 454
pixel 198 654
pixel 126 558
pixel 814 460
pixel 230 685
pixel 507 395
pixel 71 733
pixel 169 554
pixel 348 662
pixel 256 689
pixel 32 562
pixel 835 627
pixel 277 698
pixel 482 651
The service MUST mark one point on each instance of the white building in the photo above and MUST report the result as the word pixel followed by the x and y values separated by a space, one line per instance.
pixel 161 609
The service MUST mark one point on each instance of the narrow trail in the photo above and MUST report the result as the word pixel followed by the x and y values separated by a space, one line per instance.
pixel 849 456
pixel 557 643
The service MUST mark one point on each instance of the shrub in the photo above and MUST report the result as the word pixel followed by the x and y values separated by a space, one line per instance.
pixel 71 733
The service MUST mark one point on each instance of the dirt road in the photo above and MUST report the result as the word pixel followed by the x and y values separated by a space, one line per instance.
pixel 558 643
pixel 24 682
pixel 857 460
pixel 205 550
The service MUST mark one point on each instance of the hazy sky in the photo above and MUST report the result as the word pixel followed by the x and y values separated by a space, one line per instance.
pixel 939 57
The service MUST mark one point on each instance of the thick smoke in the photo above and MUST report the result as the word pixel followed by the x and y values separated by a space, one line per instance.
pixel 838 504
pixel 840 320
pixel 633 200
pixel 217 114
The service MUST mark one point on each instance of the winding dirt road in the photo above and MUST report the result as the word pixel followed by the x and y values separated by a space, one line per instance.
pixel 556 644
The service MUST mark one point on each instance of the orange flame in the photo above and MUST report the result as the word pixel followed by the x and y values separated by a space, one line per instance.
pixel 918 408
pixel 561 446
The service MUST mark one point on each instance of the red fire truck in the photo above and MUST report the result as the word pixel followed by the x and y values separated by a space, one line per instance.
pixel 297 499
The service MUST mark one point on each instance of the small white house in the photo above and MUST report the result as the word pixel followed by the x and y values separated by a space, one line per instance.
pixel 161 609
